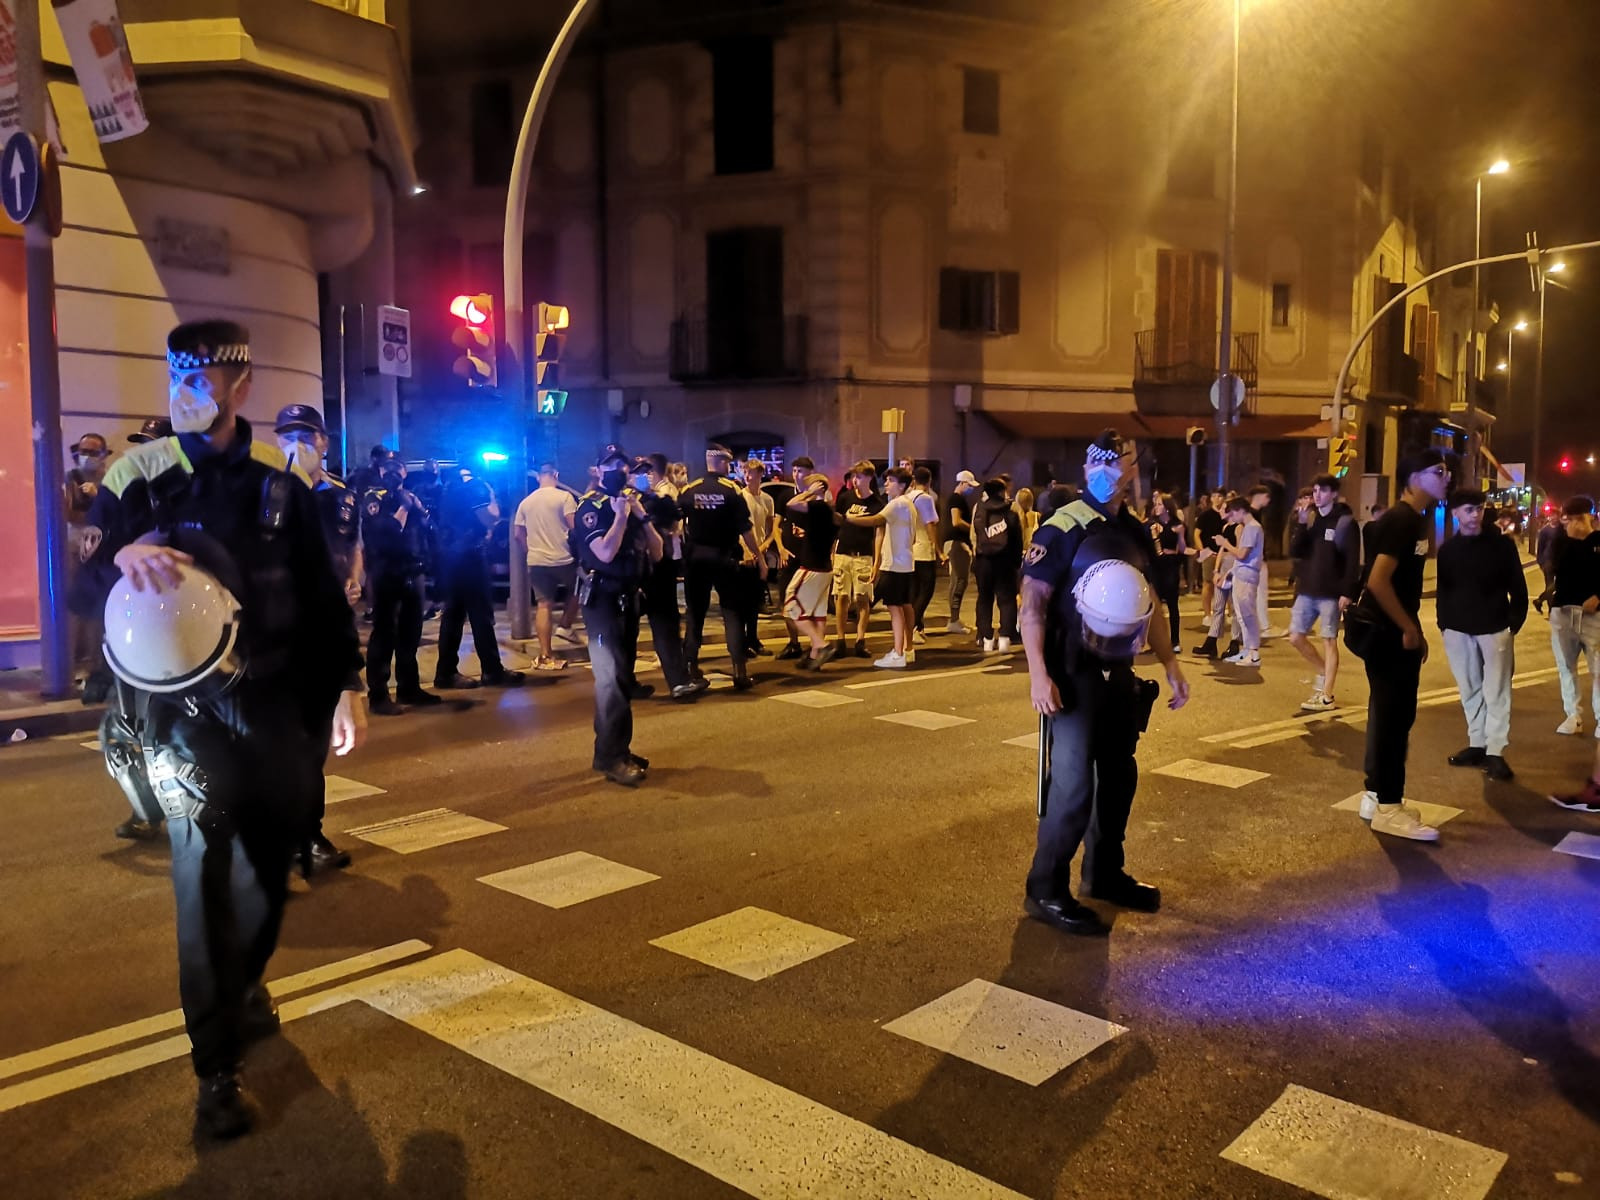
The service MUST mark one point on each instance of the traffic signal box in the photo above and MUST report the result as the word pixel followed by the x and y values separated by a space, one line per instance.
pixel 1341 454
pixel 475 338
pixel 548 339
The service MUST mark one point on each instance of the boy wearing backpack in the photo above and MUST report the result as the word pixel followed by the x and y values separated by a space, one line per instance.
pixel 997 564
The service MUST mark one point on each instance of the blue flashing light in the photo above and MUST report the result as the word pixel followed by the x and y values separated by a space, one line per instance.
pixel 494 456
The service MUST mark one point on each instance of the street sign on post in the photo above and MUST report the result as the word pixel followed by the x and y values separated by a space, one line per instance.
pixel 19 176
pixel 394 341
pixel 1238 395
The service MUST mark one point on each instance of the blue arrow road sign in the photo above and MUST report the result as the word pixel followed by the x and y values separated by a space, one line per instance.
pixel 19 177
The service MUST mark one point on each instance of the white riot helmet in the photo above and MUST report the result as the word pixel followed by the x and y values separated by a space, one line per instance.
pixel 174 639
pixel 1114 605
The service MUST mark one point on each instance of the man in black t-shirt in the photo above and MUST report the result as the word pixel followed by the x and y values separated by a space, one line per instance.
pixel 785 556
pixel 1394 660
pixel 957 533
pixel 1207 525
pixel 1574 595
pixel 805 600
pixel 855 562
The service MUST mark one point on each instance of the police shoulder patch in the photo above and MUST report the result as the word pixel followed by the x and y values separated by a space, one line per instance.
pixel 373 506
pixel 589 520
pixel 1035 554
pixel 89 542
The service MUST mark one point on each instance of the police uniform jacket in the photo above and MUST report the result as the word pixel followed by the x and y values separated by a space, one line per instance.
pixel 393 548
pixel 715 518
pixel 341 522
pixel 593 521
pixel 296 624
pixel 1076 537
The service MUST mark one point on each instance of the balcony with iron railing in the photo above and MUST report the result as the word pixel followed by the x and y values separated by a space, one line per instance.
pixel 1174 378
pixel 737 348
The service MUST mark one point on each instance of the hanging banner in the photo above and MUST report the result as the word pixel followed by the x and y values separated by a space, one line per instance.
pixel 98 48
pixel 10 113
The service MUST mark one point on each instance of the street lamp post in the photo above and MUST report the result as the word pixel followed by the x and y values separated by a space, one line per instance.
pixel 1225 341
pixel 1499 167
pixel 1535 461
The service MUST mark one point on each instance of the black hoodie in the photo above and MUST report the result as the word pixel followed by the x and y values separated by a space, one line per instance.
pixel 988 515
pixel 1329 553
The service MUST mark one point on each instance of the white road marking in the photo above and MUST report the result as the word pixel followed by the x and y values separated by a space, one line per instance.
pixel 923 676
pixel 1342 1151
pixel 752 943
pixel 341 789
pixel 1431 814
pixel 921 718
pixel 94 745
pixel 752 1134
pixel 166 1022
pixel 1267 739
pixel 816 698
pixel 424 830
pixel 1579 845
pixel 1219 774
pixel 568 880
pixel 1028 741
pixel 1005 1031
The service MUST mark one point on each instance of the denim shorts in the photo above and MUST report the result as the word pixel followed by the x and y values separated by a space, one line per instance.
pixel 1310 610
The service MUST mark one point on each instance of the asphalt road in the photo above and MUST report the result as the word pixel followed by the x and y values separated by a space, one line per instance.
pixel 1315 1011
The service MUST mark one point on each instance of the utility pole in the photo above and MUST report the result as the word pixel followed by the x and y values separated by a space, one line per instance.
pixel 514 383
pixel 1225 342
pixel 44 379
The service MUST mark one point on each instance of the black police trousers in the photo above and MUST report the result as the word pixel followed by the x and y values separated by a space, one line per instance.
pixel 699 577
pixel 612 619
pixel 256 769
pixel 465 584
pixel 1093 776
pixel 396 630
pixel 661 607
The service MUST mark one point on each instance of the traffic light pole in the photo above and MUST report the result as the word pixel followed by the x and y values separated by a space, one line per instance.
pixel 1532 256
pixel 514 383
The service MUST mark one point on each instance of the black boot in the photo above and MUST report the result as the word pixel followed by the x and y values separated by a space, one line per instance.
pixel 136 829
pixel 260 1020
pixel 1233 648
pixel 1207 648
pixel 222 1111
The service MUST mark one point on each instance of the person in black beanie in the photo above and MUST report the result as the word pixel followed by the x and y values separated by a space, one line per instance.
pixel 1482 601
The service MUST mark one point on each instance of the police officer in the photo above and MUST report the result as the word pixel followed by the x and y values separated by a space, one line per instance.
pixel 153 428
pixel 617 543
pixel 660 591
pixel 1087 602
pixel 716 520
pixel 236 771
pixel 303 438
pixel 392 524
pixel 469 516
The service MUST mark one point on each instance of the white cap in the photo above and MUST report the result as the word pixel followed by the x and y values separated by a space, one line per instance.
pixel 967 477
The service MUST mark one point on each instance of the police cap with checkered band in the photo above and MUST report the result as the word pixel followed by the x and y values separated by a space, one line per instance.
pixel 198 344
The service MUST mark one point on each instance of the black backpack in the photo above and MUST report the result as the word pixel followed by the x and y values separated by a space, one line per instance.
pixel 990 530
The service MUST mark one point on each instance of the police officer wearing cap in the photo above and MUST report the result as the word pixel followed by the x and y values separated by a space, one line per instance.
pixel 1088 601
pixel 617 543
pixel 227 749
pixel 303 438
pixel 716 520
pixel 393 525
pixel 153 428
pixel 466 522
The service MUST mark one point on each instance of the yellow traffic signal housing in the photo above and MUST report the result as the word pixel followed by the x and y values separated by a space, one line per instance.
pixel 1341 454
pixel 475 336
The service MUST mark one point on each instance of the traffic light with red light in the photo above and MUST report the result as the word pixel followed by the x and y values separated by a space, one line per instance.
pixel 1565 465
pixel 475 338
pixel 549 321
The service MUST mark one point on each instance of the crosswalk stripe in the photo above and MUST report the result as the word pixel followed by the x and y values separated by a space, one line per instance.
pixel 166 1022
pixel 923 676
pixel 751 1133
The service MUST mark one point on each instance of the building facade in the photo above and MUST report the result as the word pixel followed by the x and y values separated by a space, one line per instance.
pixel 774 223
pixel 280 136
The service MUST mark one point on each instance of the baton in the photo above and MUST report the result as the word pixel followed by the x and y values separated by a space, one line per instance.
pixel 1041 800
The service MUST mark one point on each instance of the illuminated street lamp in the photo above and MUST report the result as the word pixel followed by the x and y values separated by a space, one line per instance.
pixel 1225 341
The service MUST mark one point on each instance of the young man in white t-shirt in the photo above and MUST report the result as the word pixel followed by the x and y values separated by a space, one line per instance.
pixel 926 551
pixel 894 574
pixel 541 526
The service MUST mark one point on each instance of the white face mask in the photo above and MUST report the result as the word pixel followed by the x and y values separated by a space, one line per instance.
pixel 301 454
pixel 1103 480
pixel 192 409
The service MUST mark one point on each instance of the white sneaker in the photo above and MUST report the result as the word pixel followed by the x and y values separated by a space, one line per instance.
pixel 988 645
pixel 1399 821
pixel 1369 805
pixel 1245 658
pixel 1317 702
pixel 571 636
pixel 1571 726
pixel 1004 646
pixel 956 627
pixel 918 638
pixel 892 662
